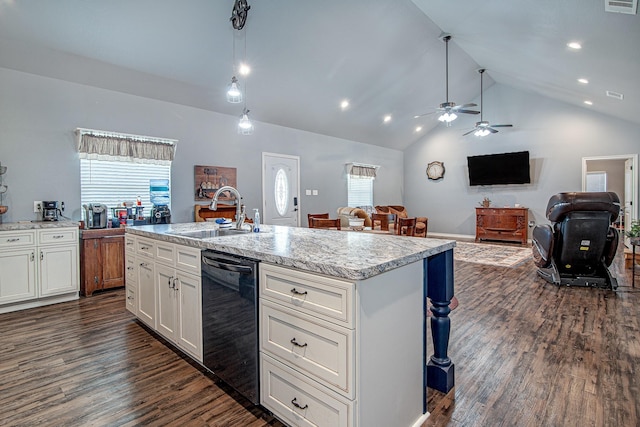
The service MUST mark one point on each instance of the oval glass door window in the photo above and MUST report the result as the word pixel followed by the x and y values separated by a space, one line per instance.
pixel 281 192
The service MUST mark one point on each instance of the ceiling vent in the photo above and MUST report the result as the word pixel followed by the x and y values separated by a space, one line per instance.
pixel 621 6
pixel 616 95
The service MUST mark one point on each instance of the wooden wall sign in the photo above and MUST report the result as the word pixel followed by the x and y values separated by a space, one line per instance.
pixel 208 179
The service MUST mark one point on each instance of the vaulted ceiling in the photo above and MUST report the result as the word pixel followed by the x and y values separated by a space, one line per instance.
pixel 385 56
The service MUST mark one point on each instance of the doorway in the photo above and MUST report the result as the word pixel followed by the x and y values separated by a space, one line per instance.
pixel 621 172
pixel 280 189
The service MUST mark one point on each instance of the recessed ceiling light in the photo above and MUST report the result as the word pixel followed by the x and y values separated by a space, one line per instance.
pixel 244 69
pixel 583 81
pixel 588 102
pixel 574 45
pixel 418 128
pixel 387 118
pixel 344 104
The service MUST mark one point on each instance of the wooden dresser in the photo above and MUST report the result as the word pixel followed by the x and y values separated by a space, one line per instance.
pixel 503 224
pixel 101 259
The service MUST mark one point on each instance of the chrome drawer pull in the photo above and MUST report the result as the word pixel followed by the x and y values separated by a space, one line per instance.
pixel 143 264
pixel 294 342
pixel 297 405
pixel 15 239
pixel 296 292
pixel 144 248
pixel 129 268
pixel 57 236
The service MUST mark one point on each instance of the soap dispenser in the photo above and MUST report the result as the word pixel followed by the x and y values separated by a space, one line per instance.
pixel 256 220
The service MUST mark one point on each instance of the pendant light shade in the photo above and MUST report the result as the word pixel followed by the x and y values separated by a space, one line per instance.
pixel 245 127
pixel 234 95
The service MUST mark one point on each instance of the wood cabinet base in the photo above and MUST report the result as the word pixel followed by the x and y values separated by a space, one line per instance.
pixel 101 260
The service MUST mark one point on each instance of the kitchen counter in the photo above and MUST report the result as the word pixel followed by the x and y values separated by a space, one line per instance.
pixel 36 225
pixel 352 255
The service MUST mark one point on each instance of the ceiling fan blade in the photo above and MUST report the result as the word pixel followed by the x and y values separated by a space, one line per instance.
pixel 467 111
pixel 502 126
pixel 422 115
pixel 472 130
pixel 490 129
pixel 467 105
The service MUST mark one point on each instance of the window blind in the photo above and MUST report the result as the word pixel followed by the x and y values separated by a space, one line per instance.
pixel 360 191
pixel 113 182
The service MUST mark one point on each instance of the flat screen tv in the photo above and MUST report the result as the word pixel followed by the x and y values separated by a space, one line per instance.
pixel 498 169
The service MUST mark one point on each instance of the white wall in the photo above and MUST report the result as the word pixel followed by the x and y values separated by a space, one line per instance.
pixel 557 136
pixel 38 117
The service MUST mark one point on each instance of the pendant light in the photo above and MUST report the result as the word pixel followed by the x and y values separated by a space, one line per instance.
pixel 245 127
pixel 234 95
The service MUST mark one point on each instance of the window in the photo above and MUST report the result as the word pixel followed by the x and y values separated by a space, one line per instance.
pixel 360 191
pixel 112 182
pixel 596 181
pixel 117 168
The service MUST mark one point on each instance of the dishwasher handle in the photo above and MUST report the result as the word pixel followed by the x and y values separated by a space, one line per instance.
pixel 229 267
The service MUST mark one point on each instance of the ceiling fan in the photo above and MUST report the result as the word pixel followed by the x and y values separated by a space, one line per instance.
pixel 482 127
pixel 449 109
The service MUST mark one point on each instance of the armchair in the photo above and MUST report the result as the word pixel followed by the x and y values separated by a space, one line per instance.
pixel 401 212
pixel 578 246
pixel 345 212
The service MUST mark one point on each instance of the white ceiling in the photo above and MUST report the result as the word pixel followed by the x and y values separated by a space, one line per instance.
pixel 385 56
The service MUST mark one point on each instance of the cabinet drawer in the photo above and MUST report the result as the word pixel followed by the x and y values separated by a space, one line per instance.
pixel 299 401
pixel 320 349
pixel 188 259
pixel 325 297
pixel 131 302
pixel 165 253
pixel 145 247
pixel 58 235
pixel 129 243
pixel 131 274
pixel 12 239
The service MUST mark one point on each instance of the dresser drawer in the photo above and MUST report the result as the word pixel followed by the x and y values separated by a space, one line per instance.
pixel 188 259
pixel 165 253
pixel 324 297
pixel 299 401
pixel 320 349
pixel 11 239
pixel 58 235
pixel 145 247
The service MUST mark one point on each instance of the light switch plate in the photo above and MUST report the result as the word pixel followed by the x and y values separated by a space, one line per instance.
pixel 307 192
pixel 315 192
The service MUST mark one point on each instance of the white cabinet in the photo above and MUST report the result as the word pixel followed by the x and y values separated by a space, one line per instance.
pixel 168 290
pixel 335 352
pixel 17 275
pixel 38 267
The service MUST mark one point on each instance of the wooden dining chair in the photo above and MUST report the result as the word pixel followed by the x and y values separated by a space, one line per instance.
pixel 321 215
pixel 324 223
pixel 406 226
pixel 382 219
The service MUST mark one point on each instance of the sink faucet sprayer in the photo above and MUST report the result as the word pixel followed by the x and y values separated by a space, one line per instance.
pixel 240 214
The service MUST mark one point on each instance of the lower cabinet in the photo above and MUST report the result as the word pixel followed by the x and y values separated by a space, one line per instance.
pixel 164 290
pixel 101 260
pixel 17 275
pixel 38 267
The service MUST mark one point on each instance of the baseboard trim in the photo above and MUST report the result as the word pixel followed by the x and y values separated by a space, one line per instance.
pixel 470 237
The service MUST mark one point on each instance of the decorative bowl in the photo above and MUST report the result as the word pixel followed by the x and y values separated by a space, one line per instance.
pixel 3 209
pixel 356 224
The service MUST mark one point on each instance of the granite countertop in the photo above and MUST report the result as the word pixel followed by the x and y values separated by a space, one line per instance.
pixel 345 254
pixel 36 225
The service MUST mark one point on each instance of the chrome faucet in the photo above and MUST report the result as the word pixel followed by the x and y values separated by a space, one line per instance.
pixel 240 214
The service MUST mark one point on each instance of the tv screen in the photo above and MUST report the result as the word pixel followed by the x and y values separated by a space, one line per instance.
pixel 497 169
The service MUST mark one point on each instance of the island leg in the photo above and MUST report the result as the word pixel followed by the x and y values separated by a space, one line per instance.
pixel 439 289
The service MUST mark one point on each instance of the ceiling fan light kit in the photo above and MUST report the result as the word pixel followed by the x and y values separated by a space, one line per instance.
pixel 483 128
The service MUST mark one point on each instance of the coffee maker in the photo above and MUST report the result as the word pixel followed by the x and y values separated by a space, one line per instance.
pixel 95 215
pixel 51 209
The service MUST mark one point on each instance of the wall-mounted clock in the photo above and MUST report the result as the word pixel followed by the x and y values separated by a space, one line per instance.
pixel 435 170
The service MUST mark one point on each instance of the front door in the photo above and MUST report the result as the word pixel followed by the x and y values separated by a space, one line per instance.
pixel 280 189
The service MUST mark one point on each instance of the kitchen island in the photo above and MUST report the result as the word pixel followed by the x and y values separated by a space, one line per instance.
pixel 368 323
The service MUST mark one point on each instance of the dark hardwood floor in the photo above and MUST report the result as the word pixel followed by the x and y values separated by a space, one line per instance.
pixel 527 354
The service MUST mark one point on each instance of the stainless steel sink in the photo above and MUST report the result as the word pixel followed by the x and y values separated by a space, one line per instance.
pixel 205 234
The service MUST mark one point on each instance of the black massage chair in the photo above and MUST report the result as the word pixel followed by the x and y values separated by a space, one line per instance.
pixel 579 245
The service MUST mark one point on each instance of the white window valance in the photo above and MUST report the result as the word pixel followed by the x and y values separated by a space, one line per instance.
pixel 101 145
pixel 359 170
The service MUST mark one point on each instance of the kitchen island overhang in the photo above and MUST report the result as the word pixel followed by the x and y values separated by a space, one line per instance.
pixel 377 264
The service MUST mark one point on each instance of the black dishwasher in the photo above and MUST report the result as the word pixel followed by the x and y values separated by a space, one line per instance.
pixel 230 320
